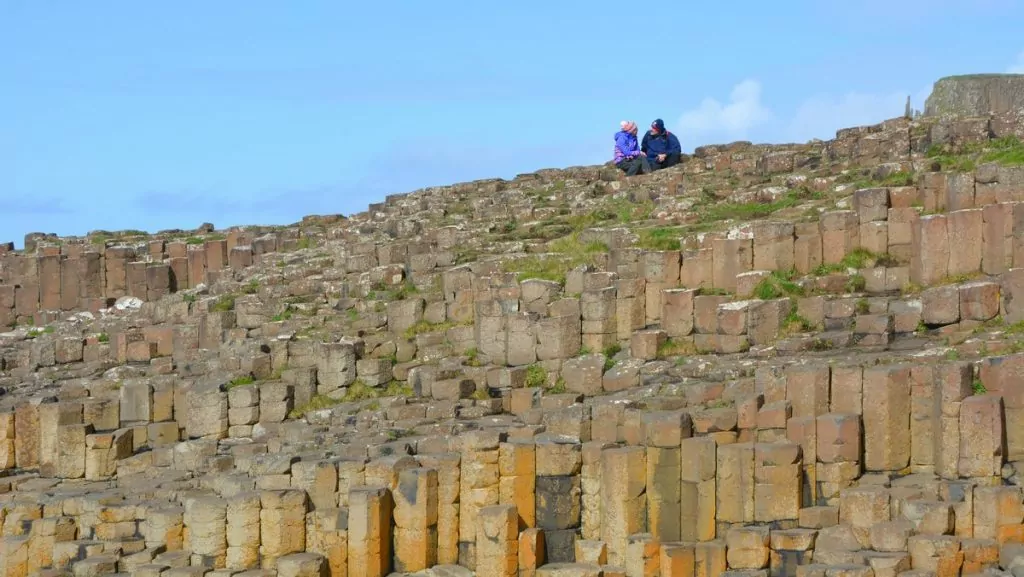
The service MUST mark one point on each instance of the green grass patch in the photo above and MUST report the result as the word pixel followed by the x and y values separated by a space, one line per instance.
pixel 398 389
pixel 103 338
pixel 1016 328
pixel 317 403
pixel 569 253
pixel 575 248
pixel 381 291
pixel 1007 151
pixel 359 391
pixel 858 258
pixel 856 284
pixel 660 238
pixel 796 323
pixel 755 210
pixel 863 307
pixel 558 388
pixel 536 376
pixel 197 240
pixel 900 178
pixel 978 387
pixel 473 357
pixel 610 352
pixel 674 348
pixel 426 327
pixel 777 285
pixel 241 381
pixel 37 331
pixel 284 315
pixel 954 163
pixel 536 267
pixel 466 255
pixel 613 212
pixel 820 344
pixel 224 304
pixel 251 288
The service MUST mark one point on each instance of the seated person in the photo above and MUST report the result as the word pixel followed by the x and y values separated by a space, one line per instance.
pixel 628 156
pixel 661 146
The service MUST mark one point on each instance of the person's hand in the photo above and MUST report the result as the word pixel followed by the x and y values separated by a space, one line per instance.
pixel 662 157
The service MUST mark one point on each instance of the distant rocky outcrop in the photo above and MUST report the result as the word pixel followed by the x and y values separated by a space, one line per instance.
pixel 976 95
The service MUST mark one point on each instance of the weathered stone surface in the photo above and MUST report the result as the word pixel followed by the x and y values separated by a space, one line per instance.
pixel 887 426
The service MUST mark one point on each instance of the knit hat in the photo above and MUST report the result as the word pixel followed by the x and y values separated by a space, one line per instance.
pixel 659 124
pixel 627 125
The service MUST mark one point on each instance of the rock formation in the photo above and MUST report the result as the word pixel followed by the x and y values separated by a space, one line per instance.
pixel 976 95
pixel 799 360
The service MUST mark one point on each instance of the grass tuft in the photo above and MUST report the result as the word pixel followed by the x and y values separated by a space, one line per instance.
pixel 224 304
pixel 978 387
pixel 1007 151
pixel 796 323
pixel 859 258
pixel 755 210
pixel 426 327
pixel 317 403
pixel 777 285
pixel 674 348
pixel 660 238
pixel 570 252
pixel 241 382
pixel 536 376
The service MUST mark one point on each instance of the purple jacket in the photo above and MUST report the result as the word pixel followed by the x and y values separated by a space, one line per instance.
pixel 626 146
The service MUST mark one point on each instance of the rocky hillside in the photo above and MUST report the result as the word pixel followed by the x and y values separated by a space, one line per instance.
pixel 789 360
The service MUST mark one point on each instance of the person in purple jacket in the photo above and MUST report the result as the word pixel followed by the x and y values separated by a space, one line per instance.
pixel 628 156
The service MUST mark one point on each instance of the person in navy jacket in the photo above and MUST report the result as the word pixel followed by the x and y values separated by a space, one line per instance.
pixel 661 146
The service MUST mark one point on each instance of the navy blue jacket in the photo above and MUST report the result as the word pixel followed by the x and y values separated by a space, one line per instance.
pixel 665 143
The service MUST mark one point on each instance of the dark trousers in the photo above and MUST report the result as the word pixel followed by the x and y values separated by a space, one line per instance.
pixel 670 160
pixel 634 166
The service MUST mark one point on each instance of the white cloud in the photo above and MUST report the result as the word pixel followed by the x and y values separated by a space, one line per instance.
pixel 733 120
pixel 820 116
pixel 1018 66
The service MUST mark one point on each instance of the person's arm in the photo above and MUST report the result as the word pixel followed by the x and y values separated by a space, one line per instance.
pixel 643 145
pixel 634 148
pixel 673 144
pixel 621 146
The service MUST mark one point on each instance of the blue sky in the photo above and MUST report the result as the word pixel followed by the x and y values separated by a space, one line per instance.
pixel 154 115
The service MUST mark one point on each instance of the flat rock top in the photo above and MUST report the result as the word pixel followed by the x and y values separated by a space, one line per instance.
pixel 976 95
